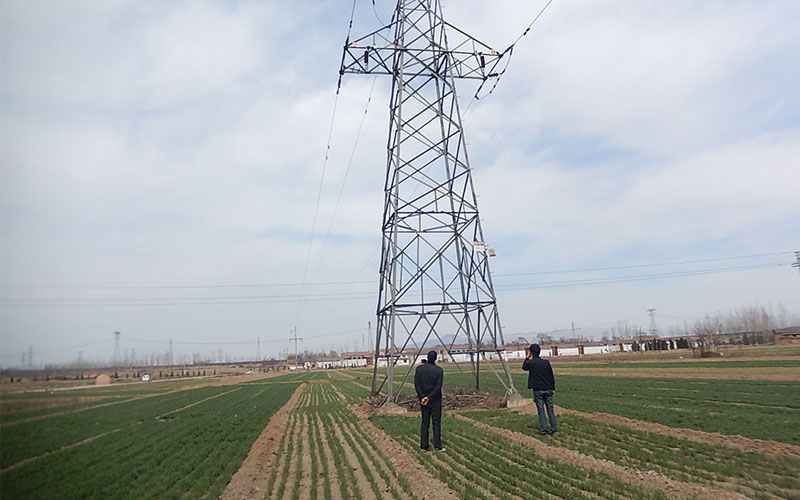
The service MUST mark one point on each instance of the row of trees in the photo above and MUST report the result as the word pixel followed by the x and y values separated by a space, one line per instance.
pixel 744 320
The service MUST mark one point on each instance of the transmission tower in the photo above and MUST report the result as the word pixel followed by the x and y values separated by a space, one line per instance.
pixel 434 269
pixel 116 359
pixel 653 327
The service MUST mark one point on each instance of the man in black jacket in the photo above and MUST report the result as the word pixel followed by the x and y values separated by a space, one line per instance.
pixel 428 383
pixel 543 383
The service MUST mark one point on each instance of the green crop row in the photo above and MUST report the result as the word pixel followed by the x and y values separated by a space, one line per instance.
pixel 351 391
pixel 322 428
pixel 752 474
pixel 480 465
pixel 30 439
pixel 18 412
pixel 177 451
pixel 758 409
pixel 687 364
pixel 303 376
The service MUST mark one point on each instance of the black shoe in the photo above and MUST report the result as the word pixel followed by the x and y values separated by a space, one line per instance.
pixel 423 449
pixel 552 432
pixel 543 433
pixel 440 449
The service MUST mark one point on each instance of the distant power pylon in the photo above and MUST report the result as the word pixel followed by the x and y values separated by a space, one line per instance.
pixel 435 278
pixel 653 327
pixel 116 359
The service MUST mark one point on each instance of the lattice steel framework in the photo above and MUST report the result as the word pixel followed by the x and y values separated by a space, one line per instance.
pixel 434 267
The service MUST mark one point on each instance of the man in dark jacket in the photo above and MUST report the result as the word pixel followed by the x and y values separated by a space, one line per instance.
pixel 543 383
pixel 428 383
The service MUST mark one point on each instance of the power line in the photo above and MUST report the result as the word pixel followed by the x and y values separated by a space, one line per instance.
pixel 626 279
pixel 267 299
pixel 635 266
pixel 174 287
pixel 341 188
pixel 365 282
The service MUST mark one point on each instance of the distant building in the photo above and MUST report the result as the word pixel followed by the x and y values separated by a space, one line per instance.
pixel 790 335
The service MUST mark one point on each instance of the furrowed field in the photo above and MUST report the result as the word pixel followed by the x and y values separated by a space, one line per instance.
pixel 643 430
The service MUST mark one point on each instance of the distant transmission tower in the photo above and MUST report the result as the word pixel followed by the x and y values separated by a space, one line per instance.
pixel 435 278
pixel 116 359
pixel 653 327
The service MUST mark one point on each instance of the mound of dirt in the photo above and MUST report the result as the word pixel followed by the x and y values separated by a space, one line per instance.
pixel 453 398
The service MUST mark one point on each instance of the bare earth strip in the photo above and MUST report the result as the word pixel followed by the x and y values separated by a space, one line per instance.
pixel 250 481
pixel 649 479
pixel 773 448
pixel 778 373
pixel 423 484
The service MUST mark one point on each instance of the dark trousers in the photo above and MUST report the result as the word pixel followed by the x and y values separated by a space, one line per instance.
pixel 432 411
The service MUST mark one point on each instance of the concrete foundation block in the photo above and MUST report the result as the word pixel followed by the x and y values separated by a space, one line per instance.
pixel 390 408
pixel 517 401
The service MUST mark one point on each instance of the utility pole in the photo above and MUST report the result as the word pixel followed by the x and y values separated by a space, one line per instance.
pixel 30 357
pixel 258 350
pixel 797 263
pixel 295 339
pixel 170 352
pixel 434 271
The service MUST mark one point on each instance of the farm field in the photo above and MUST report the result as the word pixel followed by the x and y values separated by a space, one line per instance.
pixel 758 409
pixel 311 435
pixel 180 444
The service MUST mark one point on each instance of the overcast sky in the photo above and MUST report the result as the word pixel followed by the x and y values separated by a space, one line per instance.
pixel 161 165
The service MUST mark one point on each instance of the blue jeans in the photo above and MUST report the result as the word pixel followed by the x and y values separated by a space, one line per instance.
pixel 545 399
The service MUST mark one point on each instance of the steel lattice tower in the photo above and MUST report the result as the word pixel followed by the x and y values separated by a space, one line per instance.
pixel 434 267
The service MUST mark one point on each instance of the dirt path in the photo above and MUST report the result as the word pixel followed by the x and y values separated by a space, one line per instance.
pixel 772 448
pixel 340 454
pixel 647 479
pixel 250 480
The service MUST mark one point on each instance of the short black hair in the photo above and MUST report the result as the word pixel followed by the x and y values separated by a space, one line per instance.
pixel 535 349
pixel 431 356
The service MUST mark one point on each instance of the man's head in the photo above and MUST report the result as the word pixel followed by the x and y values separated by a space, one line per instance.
pixel 535 349
pixel 431 356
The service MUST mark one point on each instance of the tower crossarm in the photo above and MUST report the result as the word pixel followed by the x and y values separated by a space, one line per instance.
pixel 376 53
